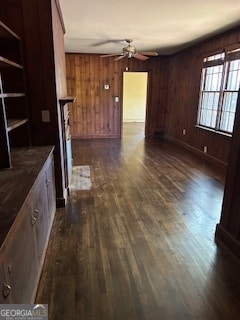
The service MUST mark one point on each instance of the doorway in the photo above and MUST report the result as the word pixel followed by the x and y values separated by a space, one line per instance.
pixel 134 98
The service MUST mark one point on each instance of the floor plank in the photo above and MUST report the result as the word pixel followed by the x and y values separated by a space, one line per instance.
pixel 140 244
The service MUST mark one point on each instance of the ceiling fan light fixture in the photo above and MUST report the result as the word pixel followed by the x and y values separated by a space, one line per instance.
pixel 130 51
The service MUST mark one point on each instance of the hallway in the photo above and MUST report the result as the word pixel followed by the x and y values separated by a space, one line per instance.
pixel 140 244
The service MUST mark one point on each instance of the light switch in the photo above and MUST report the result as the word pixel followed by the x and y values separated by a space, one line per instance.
pixel 45 116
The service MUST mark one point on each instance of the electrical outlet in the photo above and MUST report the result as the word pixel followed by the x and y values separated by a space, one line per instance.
pixel 45 116
pixel 205 149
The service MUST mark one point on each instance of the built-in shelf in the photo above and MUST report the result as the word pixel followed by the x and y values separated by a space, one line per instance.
pixel 15 123
pixel 6 63
pixel 13 105
pixel 65 100
pixel 5 32
pixel 12 95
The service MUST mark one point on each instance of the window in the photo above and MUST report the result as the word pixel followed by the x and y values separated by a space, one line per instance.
pixel 219 90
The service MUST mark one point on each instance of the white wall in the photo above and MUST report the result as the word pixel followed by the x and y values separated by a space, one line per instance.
pixel 134 96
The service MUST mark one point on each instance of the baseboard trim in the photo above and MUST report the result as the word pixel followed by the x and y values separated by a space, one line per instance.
pixel 220 164
pixel 60 202
pixel 227 242
pixel 96 136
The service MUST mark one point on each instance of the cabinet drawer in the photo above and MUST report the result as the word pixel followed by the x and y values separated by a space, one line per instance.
pixel 5 289
pixel 51 193
pixel 39 214
pixel 20 261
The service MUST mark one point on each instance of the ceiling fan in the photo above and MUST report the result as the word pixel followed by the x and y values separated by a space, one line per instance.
pixel 131 52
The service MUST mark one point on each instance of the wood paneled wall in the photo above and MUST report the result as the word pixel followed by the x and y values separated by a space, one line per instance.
pixel 46 78
pixel 173 94
pixel 40 26
pixel 183 95
pixel 95 114
pixel 228 230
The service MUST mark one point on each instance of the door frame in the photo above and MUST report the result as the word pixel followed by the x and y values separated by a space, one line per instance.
pixel 146 130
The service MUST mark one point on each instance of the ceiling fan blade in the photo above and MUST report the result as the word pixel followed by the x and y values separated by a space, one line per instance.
pixel 109 55
pixel 149 53
pixel 120 57
pixel 139 56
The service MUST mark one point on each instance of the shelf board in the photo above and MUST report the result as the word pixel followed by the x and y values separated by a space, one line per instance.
pixel 5 32
pixel 14 123
pixel 65 100
pixel 6 63
pixel 12 95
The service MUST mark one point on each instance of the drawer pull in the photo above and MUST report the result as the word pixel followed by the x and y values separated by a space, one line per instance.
pixel 6 290
pixel 34 217
pixel 34 220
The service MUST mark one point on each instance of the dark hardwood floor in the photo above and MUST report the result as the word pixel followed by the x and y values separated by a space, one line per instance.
pixel 140 244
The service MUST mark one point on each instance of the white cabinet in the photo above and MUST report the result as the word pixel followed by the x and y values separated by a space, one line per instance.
pixel 19 258
pixel 23 250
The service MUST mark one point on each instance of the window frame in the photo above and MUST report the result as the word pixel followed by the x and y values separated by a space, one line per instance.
pixel 218 119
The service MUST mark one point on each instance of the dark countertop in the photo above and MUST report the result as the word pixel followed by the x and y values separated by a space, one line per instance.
pixel 16 182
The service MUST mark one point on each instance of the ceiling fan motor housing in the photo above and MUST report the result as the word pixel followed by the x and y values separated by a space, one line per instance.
pixel 129 50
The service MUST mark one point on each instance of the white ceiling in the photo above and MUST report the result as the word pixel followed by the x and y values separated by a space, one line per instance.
pixel 166 26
